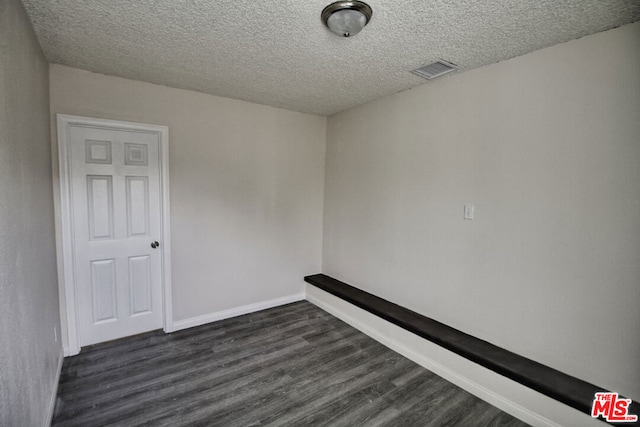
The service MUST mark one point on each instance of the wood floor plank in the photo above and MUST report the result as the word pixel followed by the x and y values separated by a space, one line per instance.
pixel 290 365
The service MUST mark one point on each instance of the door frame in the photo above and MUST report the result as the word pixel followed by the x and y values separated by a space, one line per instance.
pixel 64 228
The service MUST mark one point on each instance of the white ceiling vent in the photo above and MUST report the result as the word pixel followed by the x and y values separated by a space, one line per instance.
pixel 435 69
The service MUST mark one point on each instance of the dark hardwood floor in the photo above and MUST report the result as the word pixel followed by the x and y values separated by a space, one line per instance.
pixel 291 365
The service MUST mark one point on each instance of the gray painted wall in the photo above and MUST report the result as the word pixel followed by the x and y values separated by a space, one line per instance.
pixel 247 186
pixel 29 355
pixel 547 147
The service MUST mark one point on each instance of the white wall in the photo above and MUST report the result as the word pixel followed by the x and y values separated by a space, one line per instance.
pixel 547 147
pixel 29 353
pixel 246 185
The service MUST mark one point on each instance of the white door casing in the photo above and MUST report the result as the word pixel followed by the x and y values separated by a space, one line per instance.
pixel 114 205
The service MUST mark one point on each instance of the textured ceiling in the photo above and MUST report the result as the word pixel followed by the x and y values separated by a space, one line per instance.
pixel 279 53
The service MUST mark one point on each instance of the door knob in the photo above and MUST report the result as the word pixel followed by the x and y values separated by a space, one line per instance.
pixel 155 244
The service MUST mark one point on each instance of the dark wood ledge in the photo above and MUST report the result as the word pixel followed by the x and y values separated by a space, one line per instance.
pixel 565 388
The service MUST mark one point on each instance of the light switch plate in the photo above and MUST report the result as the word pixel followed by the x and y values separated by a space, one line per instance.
pixel 468 211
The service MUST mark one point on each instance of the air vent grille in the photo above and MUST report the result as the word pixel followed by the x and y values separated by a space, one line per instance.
pixel 435 69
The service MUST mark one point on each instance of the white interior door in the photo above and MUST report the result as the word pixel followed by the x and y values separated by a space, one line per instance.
pixel 116 221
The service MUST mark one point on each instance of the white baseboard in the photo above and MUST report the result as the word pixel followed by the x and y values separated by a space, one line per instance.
pixel 522 402
pixel 54 393
pixel 233 312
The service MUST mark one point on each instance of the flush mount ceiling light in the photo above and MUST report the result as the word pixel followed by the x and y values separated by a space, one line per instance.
pixel 346 18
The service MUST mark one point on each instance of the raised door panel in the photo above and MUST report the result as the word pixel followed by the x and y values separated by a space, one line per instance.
pixel 98 152
pixel 140 285
pixel 136 154
pixel 103 290
pixel 137 189
pixel 100 206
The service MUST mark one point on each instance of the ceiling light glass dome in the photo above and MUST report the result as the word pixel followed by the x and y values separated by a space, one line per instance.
pixel 346 18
